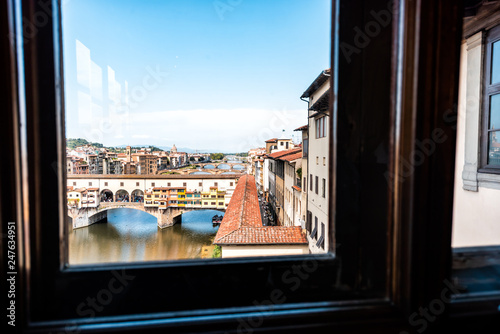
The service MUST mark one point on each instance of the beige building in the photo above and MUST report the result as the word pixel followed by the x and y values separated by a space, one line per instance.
pixel 300 191
pixel 476 216
pixel 146 164
pixel 318 163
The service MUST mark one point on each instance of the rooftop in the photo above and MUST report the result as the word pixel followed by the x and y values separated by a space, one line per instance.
pixel 280 154
pixel 292 157
pixel 242 222
pixel 302 128
pixel 321 79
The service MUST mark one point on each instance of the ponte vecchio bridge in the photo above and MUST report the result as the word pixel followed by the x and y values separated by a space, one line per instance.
pixel 166 197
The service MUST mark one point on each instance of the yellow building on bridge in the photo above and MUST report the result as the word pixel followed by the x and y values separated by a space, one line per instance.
pixel 164 197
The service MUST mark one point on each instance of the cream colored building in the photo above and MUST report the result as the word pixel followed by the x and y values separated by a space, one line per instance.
pixel 476 216
pixel 318 163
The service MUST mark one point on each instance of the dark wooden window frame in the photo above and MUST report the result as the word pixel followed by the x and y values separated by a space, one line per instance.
pixel 488 90
pixel 418 249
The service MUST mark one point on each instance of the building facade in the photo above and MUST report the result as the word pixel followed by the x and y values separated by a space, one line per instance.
pixel 318 163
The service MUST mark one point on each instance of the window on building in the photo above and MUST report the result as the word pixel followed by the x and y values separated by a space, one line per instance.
pixel 152 184
pixel 121 184
pixel 305 147
pixel 491 101
pixel 137 184
pixel 321 240
pixel 200 184
pixel 184 184
pixel 314 232
pixel 310 182
pixel 321 127
pixel 169 184
pixel 230 184
pixel 74 183
pixel 323 188
pixel 315 295
pixel 216 184
pixel 316 185
pixel 90 184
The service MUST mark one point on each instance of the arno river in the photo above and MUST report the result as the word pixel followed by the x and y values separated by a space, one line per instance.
pixel 132 236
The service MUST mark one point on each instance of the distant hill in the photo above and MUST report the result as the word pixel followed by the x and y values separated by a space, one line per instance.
pixel 75 142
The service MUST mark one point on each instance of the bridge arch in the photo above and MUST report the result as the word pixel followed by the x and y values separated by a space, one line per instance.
pixel 238 166
pixel 106 195
pixel 224 166
pixel 199 172
pixel 137 196
pixel 122 196
pixel 209 166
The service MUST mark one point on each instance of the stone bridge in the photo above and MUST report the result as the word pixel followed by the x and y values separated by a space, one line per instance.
pixel 165 217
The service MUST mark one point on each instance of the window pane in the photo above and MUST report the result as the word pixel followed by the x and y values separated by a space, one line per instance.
pixel 494 148
pixel 161 105
pixel 495 63
pixel 494 122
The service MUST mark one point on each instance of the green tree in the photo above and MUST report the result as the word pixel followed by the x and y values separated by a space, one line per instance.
pixel 216 156
pixel 217 252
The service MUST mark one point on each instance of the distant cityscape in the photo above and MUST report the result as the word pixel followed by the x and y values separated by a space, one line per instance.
pixel 275 197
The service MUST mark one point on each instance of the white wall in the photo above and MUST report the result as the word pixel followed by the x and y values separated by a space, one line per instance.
pixel 264 250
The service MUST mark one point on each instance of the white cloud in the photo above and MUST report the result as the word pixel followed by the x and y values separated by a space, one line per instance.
pixel 229 130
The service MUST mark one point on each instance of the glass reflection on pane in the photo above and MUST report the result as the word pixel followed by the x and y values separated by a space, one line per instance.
pixel 495 63
pixel 494 112
pixel 494 148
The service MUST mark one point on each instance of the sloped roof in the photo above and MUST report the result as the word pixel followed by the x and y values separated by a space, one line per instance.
pixel 292 157
pixel 322 77
pixel 280 154
pixel 242 222
pixel 302 128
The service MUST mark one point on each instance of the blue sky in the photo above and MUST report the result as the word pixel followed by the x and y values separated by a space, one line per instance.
pixel 221 75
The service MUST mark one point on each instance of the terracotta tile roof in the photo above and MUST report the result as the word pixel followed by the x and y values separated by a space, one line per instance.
pixel 272 140
pixel 92 189
pixel 297 188
pixel 302 128
pixel 264 235
pixel 280 154
pixel 292 157
pixel 242 222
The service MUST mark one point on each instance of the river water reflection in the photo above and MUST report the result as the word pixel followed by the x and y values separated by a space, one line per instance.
pixel 132 236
